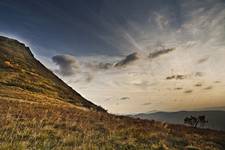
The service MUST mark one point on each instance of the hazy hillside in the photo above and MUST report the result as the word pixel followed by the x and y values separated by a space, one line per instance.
pixel 215 118
pixel 39 111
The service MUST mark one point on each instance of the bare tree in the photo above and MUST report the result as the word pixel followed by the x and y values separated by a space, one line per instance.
pixel 194 121
pixel 202 121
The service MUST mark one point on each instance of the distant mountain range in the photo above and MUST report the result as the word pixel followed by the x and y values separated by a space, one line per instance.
pixel 216 119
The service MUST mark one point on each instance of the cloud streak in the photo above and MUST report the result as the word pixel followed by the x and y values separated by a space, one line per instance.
pixel 124 98
pixel 208 88
pixel 160 52
pixel 67 64
pixel 188 91
pixel 127 60
pixel 176 77
pixel 202 60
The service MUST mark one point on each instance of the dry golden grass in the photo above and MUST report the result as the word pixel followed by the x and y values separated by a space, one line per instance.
pixel 26 125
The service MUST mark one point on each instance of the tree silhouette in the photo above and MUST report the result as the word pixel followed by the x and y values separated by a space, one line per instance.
pixel 202 120
pixel 194 121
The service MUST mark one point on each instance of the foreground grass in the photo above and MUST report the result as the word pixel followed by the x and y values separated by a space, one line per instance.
pixel 43 126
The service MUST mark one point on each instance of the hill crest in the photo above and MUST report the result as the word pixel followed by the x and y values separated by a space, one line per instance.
pixel 22 75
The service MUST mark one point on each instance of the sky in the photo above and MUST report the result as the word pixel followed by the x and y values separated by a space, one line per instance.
pixel 128 56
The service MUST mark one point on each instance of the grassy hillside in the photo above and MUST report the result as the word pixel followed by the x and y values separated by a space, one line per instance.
pixel 45 126
pixel 22 74
pixel 39 111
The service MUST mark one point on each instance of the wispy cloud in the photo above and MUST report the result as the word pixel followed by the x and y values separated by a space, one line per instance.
pixel 208 88
pixel 98 65
pixel 67 64
pixel 217 81
pixel 146 104
pixel 188 91
pixel 160 52
pixel 176 77
pixel 202 60
pixel 186 76
pixel 161 20
pixel 127 60
pixel 199 74
pixel 124 98
pixel 178 88
pixel 198 84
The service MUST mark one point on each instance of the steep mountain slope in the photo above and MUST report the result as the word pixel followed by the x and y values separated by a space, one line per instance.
pixel 23 75
pixel 39 111
pixel 215 118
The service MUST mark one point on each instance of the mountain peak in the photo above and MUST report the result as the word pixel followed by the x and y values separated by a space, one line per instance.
pixel 12 42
